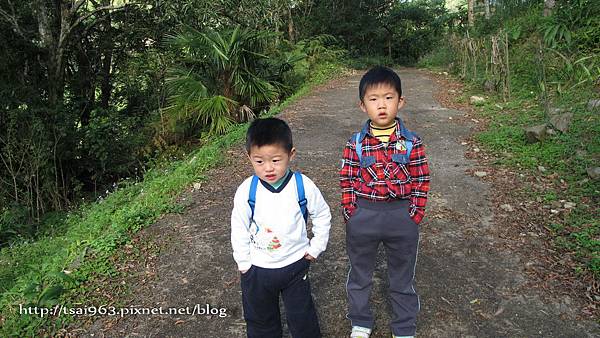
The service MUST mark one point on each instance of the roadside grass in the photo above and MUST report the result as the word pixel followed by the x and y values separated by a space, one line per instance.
pixel 564 157
pixel 78 256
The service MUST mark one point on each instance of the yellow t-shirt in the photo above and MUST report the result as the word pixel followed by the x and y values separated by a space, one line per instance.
pixel 383 134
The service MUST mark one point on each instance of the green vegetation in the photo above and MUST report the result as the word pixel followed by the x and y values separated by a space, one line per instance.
pixel 65 265
pixel 94 92
pixel 533 67
pixel 221 78
pixel 110 108
pixel 129 85
pixel 400 31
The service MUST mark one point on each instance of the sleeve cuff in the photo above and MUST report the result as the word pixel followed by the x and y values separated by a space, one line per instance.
pixel 347 213
pixel 244 266
pixel 415 214
pixel 346 216
pixel 313 252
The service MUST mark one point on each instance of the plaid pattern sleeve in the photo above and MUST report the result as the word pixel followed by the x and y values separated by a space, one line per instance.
pixel 349 172
pixel 419 172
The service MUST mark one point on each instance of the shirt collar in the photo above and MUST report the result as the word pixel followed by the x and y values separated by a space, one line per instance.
pixel 280 187
pixel 400 131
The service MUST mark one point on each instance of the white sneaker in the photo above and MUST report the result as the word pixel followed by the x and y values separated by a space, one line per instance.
pixel 360 332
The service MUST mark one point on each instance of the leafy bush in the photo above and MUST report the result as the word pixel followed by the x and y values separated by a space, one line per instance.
pixel 14 224
pixel 440 57
pixel 291 65
pixel 218 80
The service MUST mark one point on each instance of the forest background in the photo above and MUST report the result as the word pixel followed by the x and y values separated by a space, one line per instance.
pixel 109 108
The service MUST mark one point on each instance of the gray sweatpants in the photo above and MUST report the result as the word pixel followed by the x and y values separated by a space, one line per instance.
pixel 388 223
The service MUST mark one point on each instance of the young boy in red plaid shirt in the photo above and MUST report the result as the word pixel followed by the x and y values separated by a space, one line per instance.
pixel 384 180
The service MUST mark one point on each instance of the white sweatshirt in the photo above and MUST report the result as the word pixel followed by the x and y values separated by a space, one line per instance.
pixel 277 237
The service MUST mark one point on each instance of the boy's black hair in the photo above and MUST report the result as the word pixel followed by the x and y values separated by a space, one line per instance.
pixel 269 131
pixel 376 76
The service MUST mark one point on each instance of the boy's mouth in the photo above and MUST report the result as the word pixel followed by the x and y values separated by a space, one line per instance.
pixel 270 177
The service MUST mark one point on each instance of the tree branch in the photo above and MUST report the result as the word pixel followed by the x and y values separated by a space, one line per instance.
pixel 87 15
pixel 12 20
pixel 77 5
pixel 83 17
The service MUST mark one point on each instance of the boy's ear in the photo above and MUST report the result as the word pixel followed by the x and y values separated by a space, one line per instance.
pixel 249 153
pixel 362 107
pixel 401 102
pixel 292 153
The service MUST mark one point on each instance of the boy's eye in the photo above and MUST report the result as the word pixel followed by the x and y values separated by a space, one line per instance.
pixel 258 161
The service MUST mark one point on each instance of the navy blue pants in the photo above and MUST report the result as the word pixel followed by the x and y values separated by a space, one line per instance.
pixel 261 288
pixel 387 223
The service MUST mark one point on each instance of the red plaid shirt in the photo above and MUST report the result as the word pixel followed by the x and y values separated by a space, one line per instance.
pixel 385 172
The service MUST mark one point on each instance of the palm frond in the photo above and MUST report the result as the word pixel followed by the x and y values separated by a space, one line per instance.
pixel 219 48
pixel 220 73
pixel 215 112
pixel 246 113
pixel 186 88
pixel 253 89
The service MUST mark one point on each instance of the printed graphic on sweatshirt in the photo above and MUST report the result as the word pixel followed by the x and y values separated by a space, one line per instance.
pixel 263 238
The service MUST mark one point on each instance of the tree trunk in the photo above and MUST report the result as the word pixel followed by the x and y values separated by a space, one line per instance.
pixel 549 7
pixel 291 33
pixel 275 19
pixel 487 8
pixel 47 28
pixel 85 91
pixel 55 25
pixel 106 85
pixel 229 93
pixel 470 13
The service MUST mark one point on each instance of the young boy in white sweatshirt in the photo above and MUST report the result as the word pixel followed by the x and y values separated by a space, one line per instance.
pixel 269 235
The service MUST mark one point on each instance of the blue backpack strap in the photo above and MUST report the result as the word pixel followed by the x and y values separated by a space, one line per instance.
pixel 252 196
pixel 358 146
pixel 301 197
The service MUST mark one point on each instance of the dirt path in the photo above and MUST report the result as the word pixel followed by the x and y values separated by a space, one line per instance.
pixel 469 285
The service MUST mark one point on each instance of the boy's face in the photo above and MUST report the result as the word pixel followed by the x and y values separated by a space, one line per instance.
pixel 271 161
pixel 381 103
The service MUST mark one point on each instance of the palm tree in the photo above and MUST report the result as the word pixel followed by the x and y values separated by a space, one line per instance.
pixel 218 82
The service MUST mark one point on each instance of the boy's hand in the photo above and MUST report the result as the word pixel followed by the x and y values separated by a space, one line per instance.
pixel 309 257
